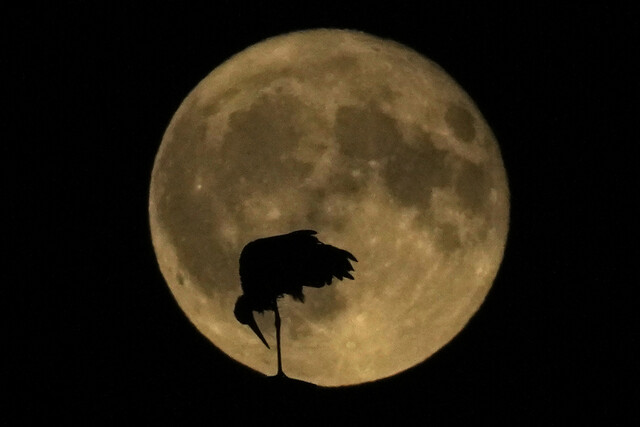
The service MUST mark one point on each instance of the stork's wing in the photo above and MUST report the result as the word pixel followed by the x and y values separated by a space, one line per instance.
pixel 284 264
pixel 313 263
pixel 276 257
pixel 324 262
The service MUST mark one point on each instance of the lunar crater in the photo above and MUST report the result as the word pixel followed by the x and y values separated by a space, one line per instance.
pixel 461 121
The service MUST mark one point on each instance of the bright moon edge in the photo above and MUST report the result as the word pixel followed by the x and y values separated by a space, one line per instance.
pixel 377 331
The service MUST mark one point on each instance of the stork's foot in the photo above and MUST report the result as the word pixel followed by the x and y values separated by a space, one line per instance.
pixel 288 388
pixel 280 374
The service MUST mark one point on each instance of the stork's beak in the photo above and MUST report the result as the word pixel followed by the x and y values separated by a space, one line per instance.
pixel 254 327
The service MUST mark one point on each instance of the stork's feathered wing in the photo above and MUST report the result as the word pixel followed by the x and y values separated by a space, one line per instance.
pixel 274 266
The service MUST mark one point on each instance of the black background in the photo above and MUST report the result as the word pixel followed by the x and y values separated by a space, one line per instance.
pixel 94 334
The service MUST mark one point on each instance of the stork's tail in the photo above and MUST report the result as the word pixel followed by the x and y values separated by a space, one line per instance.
pixel 334 262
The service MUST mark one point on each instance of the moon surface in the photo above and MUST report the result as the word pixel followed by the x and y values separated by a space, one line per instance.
pixel 365 141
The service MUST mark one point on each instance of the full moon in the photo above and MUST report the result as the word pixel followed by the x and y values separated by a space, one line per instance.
pixel 363 140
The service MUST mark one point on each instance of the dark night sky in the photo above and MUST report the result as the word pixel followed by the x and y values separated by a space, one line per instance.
pixel 94 333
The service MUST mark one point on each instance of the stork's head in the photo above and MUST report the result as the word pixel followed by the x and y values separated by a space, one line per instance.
pixel 244 314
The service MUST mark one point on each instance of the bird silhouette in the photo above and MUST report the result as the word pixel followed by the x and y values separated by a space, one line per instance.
pixel 275 266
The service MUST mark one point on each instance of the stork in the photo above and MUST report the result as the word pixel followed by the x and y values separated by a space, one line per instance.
pixel 275 266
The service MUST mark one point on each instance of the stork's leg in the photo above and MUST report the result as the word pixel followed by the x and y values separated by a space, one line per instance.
pixel 280 371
